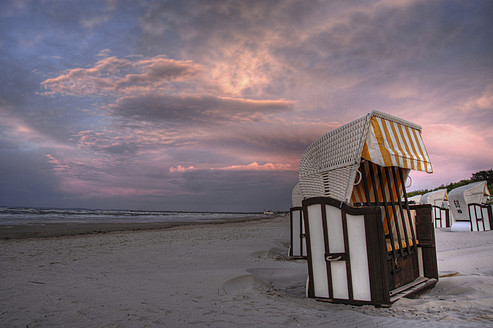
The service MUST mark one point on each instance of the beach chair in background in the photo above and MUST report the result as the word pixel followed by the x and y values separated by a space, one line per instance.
pixel 439 202
pixel 297 248
pixel 365 243
pixel 469 209
pixel 415 200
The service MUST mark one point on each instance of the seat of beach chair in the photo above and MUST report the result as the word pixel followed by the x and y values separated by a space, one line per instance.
pixel 403 244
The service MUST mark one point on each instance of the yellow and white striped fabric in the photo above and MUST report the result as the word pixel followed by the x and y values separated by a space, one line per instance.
pixel 376 194
pixel 393 144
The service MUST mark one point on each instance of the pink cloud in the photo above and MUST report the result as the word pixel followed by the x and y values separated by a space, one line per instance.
pixel 120 75
pixel 181 169
pixel 254 166
pixel 59 167
pixel 162 89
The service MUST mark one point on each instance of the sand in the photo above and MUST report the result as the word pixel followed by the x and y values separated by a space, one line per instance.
pixel 217 275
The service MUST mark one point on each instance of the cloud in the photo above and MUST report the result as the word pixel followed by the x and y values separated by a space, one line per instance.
pixel 91 22
pixel 483 102
pixel 58 166
pixel 254 166
pixel 25 134
pixel 238 42
pixel 104 53
pixel 275 141
pixel 82 176
pixel 147 90
pixel 169 102
pixel 117 76
pixel 349 54
pixel 193 109
pixel 107 142
pixel 181 169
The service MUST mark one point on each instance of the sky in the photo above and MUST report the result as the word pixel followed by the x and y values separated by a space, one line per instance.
pixel 209 105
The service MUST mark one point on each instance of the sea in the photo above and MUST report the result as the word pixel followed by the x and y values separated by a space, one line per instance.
pixel 26 215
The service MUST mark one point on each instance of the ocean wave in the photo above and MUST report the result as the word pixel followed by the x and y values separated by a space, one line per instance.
pixel 29 215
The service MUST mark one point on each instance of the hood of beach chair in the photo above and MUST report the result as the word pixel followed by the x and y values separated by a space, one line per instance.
pixel 436 197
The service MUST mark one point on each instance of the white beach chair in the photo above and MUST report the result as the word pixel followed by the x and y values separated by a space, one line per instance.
pixel 415 200
pixel 469 209
pixel 366 245
pixel 297 247
pixel 438 200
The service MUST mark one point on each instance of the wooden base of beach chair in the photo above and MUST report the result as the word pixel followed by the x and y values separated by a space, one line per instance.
pixel 348 260
pixel 413 288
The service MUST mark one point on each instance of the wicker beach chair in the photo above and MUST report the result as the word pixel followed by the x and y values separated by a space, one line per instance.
pixel 365 243
pixel 469 209
pixel 439 203
pixel 297 247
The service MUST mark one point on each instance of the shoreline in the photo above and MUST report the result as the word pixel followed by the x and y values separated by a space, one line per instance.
pixel 63 229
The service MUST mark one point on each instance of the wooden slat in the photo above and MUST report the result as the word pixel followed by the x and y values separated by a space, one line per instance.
pixel 412 288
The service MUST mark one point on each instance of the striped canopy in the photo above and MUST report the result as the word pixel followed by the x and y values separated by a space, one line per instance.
pixel 391 143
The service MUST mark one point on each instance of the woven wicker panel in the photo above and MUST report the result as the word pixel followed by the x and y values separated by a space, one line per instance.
pixel 326 165
pixel 297 196
pixel 312 186
pixel 336 182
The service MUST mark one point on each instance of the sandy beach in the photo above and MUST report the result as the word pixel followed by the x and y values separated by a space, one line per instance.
pixel 217 275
